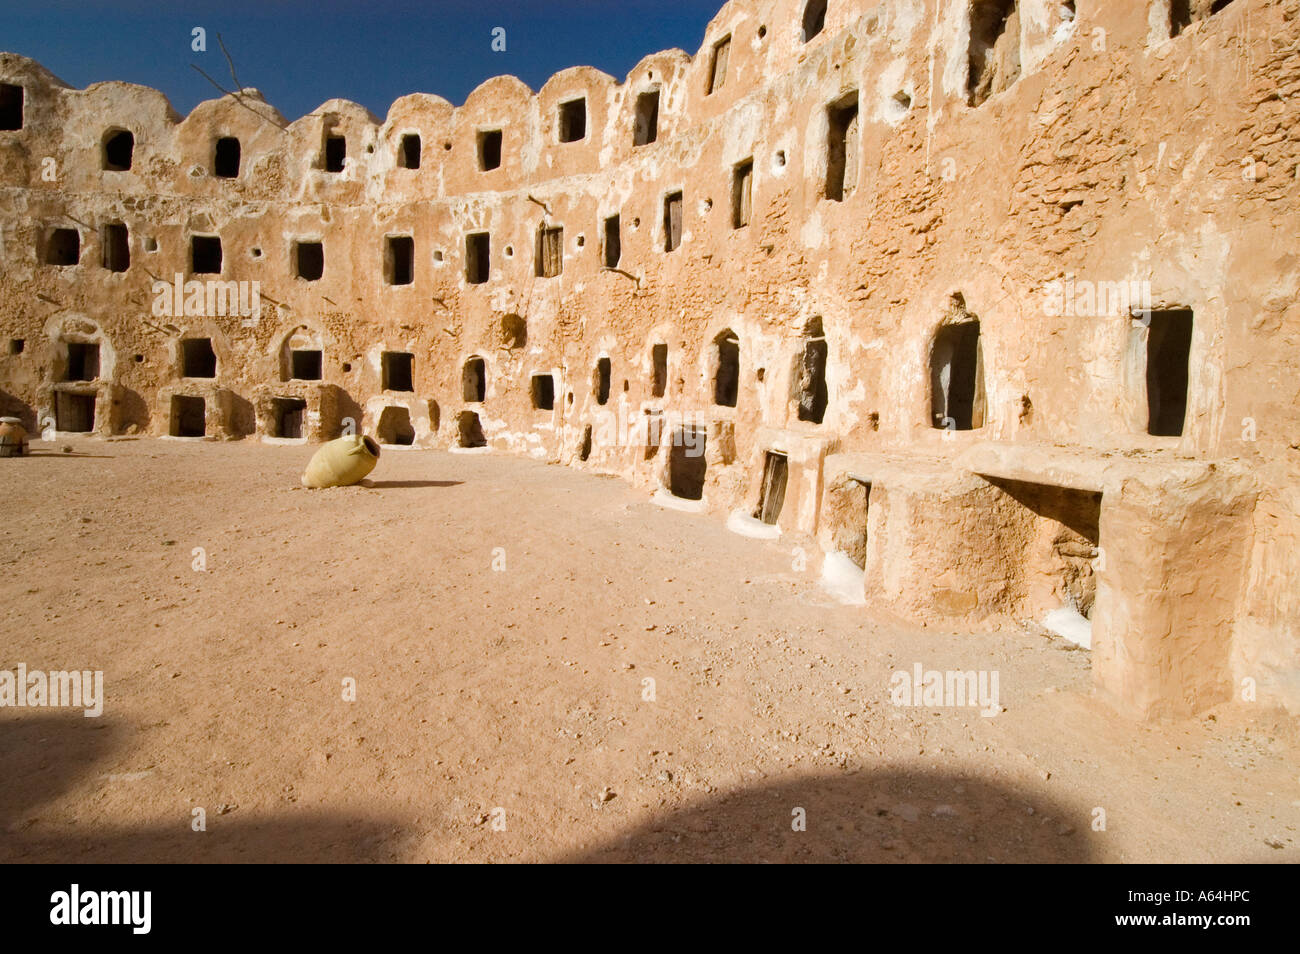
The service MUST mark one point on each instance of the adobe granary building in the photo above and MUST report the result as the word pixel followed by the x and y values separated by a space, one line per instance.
pixel 994 299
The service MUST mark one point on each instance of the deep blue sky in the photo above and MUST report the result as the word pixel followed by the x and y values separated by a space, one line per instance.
pixel 300 54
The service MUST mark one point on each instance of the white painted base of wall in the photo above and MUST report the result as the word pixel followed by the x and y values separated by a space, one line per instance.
pixel 843 579
pixel 1068 623
pixel 747 526
pixel 663 498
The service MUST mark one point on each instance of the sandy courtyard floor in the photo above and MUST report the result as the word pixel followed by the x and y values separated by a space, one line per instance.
pixel 548 667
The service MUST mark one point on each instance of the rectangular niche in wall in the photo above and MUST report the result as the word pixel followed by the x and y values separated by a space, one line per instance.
pixel 336 152
pixel 600 381
pixel 225 158
pixel 845 515
pixel 842 147
pixel 116 247
pixel 646 129
pixel 810 375
pixel 118 150
pixel 1169 346
pixel 549 257
pixel 309 260
pixel 198 360
pixel 776 471
pixel 477 257
pixel 659 355
pixel 686 463
pixel 399 259
pixel 11 106
pixel 205 254
pixel 63 247
pixel 718 68
pixel 473 381
pixel 489 149
pixel 543 392
pixel 394 427
pixel 469 430
pixel 305 365
pixel 408 153
pixel 613 241
pixel 188 416
pixel 957 378
pixel 287 415
pixel 573 120
pixel 994 48
pixel 672 221
pixel 83 361
pixel 398 370
pixel 742 181
pixel 1059 545
pixel 726 379
pixel 74 413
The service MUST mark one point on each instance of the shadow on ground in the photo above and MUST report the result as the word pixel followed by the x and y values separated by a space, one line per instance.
pixel 41 452
pixel 48 756
pixel 866 817
pixel 394 484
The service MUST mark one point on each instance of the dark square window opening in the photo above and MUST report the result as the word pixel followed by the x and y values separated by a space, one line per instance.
pixel 646 130
pixel 188 417
pixel 489 149
pixel 543 392
pixel 1169 348
pixel 309 260
pixel 399 260
pixel 305 365
pixel 601 381
pixel 473 381
pixel 613 241
pixel 119 146
pixel 198 360
pixel 83 361
pixel 225 158
pixel 957 401
pixel 478 247
pixel 398 371
pixel 63 247
pixel 11 106
pixel 205 255
pixel 687 465
pixel 116 247
pixel 408 153
pixel 842 148
pixel 659 355
pixel 287 416
pixel 573 120
pixel 336 151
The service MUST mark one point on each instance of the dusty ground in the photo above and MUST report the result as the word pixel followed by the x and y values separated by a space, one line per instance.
pixel 521 688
